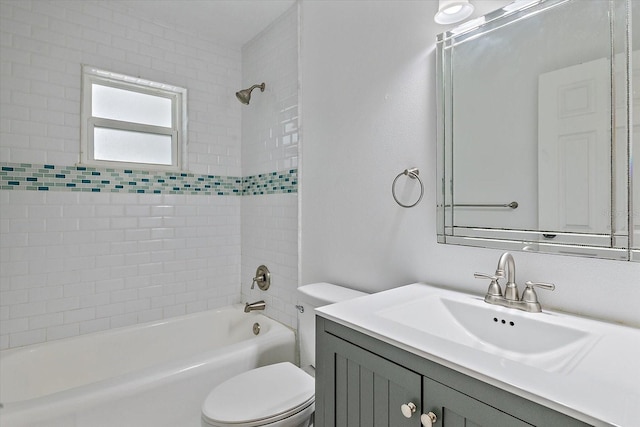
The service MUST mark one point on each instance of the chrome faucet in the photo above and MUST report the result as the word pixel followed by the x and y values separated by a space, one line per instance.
pixel 258 305
pixel 510 289
pixel 529 301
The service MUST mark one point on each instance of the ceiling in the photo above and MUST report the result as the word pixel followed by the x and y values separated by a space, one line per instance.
pixel 233 21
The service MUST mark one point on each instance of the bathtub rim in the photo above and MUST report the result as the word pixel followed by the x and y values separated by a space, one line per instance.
pixel 142 325
pixel 278 334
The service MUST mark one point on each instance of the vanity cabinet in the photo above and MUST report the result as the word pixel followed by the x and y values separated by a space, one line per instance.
pixel 362 381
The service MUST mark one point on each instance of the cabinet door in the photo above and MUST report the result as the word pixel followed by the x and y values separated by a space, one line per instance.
pixel 365 390
pixel 455 409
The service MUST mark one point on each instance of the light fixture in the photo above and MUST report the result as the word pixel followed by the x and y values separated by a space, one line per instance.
pixel 452 11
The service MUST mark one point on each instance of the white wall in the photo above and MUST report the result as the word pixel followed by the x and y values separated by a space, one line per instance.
pixel 77 262
pixel 270 144
pixel 368 96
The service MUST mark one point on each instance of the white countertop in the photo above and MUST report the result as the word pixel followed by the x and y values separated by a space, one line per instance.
pixel 601 388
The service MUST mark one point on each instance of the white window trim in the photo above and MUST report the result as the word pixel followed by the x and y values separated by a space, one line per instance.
pixel 178 133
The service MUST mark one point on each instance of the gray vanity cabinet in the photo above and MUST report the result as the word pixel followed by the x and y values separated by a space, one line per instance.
pixel 361 381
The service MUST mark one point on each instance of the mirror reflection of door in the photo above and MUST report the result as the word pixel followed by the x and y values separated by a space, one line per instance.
pixel 574 167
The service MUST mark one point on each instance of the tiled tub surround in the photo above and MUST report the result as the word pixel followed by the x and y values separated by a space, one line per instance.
pixel 84 256
pixel 78 261
pixel 75 260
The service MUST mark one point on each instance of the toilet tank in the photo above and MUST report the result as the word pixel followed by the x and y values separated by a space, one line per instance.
pixel 311 297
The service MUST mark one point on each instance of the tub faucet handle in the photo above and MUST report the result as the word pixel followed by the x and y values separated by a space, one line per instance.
pixel 263 278
pixel 256 279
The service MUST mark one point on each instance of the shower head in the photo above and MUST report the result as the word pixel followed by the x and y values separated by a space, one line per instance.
pixel 244 95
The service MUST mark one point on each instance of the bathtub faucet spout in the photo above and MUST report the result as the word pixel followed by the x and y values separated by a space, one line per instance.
pixel 258 305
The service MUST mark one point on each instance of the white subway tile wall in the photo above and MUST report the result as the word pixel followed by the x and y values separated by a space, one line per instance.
pixel 78 262
pixel 270 237
pixel 270 143
pixel 270 123
pixel 45 43
pixel 74 262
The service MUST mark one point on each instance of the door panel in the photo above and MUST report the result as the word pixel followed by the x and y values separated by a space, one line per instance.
pixel 370 390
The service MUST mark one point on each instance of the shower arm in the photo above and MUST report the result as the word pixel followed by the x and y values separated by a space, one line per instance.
pixel 261 86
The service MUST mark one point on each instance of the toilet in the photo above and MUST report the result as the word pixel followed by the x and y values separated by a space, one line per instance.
pixel 278 395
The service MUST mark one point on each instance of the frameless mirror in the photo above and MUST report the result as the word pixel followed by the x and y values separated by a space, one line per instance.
pixel 534 134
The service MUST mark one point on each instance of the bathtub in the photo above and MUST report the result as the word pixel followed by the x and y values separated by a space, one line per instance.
pixel 154 374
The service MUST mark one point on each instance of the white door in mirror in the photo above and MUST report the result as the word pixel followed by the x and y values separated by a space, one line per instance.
pixel 573 124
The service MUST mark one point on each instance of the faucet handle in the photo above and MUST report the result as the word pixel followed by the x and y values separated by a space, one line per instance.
pixel 494 288
pixel 529 294
pixel 547 286
pixel 485 276
pixel 263 278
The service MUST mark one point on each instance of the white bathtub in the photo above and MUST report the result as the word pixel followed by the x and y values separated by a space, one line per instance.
pixel 155 374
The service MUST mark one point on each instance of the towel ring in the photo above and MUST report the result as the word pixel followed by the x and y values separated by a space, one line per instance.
pixel 413 174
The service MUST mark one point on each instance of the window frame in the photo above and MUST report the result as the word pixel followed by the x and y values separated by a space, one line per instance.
pixel 178 132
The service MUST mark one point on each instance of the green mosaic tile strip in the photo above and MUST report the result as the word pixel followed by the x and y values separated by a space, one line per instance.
pixel 271 183
pixel 38 177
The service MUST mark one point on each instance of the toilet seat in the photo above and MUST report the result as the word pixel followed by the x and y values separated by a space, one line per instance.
pixel 276 392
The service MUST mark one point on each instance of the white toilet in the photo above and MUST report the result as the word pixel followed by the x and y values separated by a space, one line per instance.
pixel 279 395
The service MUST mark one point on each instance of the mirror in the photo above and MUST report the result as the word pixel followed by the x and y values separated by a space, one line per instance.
pixel 534 135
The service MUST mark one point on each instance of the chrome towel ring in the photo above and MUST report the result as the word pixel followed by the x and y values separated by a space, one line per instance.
pixel 413 174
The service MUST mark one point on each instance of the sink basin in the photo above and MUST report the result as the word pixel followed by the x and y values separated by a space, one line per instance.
pixel 546 341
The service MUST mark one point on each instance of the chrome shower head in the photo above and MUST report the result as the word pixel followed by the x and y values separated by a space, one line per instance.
pixel 244 95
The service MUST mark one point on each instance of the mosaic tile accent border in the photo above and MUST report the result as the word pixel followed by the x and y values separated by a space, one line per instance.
pixel 38 177
pixel 271 183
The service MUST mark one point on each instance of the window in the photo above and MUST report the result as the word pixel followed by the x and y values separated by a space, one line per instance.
pixel 131 122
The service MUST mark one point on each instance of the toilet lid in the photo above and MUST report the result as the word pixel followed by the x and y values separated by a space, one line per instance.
pixel 269 393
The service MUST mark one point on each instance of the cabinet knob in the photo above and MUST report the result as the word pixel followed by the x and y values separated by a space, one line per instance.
pixel 429 419
pixel 408 409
